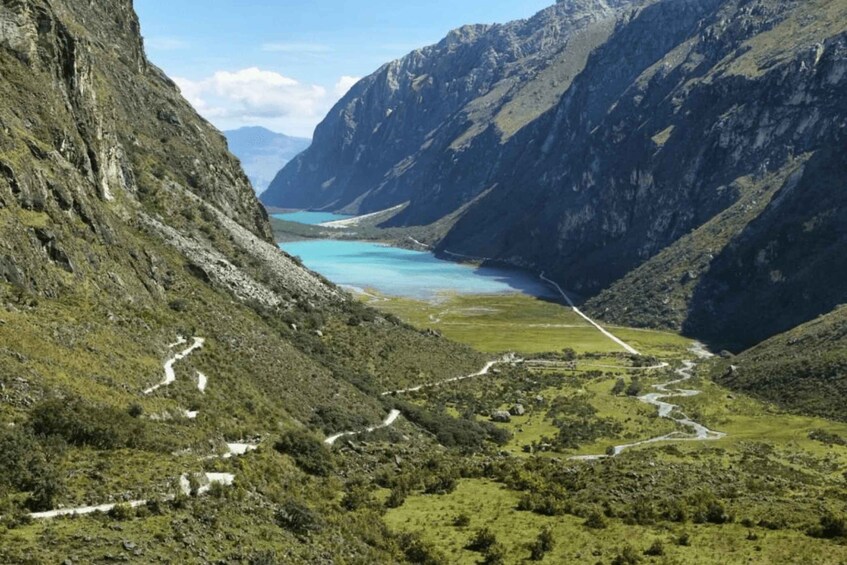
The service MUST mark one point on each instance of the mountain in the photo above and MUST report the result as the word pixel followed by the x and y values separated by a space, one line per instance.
pixel 263 152
pixel 682 171
pixel 809 360
pixel 124 224
pixel 399 132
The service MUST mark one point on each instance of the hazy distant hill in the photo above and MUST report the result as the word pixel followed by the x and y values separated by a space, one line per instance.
pixel 263 152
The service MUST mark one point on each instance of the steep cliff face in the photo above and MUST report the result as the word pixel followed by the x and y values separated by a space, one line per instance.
pixel 97 105
pixel 422 121
pixel 698 117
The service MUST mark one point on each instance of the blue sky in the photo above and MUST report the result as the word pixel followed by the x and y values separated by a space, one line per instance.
pixel 283 63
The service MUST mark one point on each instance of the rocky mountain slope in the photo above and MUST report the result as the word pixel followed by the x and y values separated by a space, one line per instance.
pixel 422 121
pixel 263 152
pixel 809 360
pixel 686 164
pixel 124 224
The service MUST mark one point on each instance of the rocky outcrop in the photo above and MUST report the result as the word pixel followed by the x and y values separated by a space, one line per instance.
pixel 423 121
pixel 99 151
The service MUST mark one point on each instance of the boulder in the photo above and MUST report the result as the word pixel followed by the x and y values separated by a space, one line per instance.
pixel 517 410
pixel 501 416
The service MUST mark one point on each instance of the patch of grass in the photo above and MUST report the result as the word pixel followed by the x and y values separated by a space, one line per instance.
pixel 514 322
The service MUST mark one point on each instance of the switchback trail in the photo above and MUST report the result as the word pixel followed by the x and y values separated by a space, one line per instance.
pixel 170 375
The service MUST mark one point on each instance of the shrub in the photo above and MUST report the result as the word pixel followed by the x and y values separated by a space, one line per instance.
pixel 24 460
pixel 482 540
pixel 655 550
pixel 121 512
pixel 830 526
pixel 462 520
pixel 397 497
pixel 634 388
pixel 542 545
pixel 494 555
pixel 357 496
pixel 596 521
pixel 627 556
pixel 178 305
pixel 47 486
pixel 308 452
pixel 297 518
pixel 619 387
pixel 135 410
pixel 83 423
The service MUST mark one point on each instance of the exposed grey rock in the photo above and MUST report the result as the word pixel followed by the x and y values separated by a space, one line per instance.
pixel 403 131
pixel 517 410
pixel 501 416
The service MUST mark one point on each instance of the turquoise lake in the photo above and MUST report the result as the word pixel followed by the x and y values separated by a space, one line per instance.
pixel 310 218
pixel 402 272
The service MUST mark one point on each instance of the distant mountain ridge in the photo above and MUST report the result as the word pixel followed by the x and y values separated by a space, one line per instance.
pixel 404 131
pixel 263 152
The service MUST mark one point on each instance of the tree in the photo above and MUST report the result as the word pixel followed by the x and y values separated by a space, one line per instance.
pixel 47 487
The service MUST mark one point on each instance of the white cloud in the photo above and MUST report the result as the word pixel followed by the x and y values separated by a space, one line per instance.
pixel 296 48
pixel 254 96
pixel 344 85
pixel 165 43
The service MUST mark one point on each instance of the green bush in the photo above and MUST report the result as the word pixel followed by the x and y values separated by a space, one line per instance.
pixel 297 518
pixel 596 521
pixel 121 512
pixel 542 545
pixel 655 550
pixel 619 387
pixel 627 556
pixel 830 527
pixel 462 520
pixel 494 555
pixel 82 423
pixel 482 540
pixel 308 452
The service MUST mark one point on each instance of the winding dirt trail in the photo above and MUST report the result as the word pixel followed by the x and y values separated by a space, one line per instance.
pixel 205 480
pixel 389 420
pixel 394 414
pixel 170 374
pixel 510 359
pixel 698 432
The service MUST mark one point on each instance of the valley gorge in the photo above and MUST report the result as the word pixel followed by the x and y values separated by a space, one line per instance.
pixel 566 289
